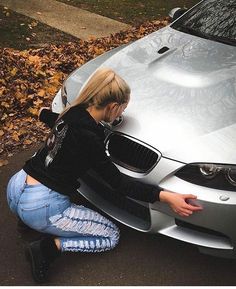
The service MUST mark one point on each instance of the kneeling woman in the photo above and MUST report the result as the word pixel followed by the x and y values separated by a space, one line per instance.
pixel 40 193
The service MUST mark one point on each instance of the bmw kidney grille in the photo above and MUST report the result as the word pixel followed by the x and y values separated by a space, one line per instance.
pixel 130 153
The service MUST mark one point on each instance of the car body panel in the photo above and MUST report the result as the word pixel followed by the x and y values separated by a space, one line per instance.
pixel 192 86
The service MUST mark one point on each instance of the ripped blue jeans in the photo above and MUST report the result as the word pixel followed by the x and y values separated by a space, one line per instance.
pixel 78 228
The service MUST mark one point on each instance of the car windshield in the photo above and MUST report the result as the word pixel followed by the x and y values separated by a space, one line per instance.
pixel 211 19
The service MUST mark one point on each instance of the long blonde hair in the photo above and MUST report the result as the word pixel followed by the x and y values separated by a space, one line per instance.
pixel 104 87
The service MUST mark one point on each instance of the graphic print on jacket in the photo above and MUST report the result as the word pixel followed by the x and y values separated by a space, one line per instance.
pixel 54 141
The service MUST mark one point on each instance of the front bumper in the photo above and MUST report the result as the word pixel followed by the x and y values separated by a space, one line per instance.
pixel 212 229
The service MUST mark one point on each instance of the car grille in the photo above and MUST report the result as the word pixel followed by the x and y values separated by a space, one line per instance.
pixel 130 153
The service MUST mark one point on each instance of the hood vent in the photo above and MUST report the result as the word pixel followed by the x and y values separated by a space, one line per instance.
pixel 163 49
pixel 130 153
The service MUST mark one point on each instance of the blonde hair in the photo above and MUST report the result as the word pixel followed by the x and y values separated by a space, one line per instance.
pixel 104 87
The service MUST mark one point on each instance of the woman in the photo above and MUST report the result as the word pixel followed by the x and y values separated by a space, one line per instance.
pixel 40 193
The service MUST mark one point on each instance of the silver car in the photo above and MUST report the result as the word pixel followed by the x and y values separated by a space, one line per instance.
pixel 179 130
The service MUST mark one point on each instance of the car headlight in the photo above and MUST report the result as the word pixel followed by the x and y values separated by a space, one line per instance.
pixel 209 171
pixel 231 176
pixel 217 176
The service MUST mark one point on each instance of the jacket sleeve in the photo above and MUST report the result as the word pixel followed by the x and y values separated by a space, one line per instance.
pixel 48 117
pixel 118 181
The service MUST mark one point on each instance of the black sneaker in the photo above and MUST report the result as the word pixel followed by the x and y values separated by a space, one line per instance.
pixel 39 264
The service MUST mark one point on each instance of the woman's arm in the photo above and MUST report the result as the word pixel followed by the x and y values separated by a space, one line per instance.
pixel 47 116
pixel 135 189
pixel 145 192
pixel 119 182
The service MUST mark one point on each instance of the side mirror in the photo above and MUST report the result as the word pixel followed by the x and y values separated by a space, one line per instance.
pixel 176 13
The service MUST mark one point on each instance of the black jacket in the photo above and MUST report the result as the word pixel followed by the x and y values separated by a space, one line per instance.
pixel 74 145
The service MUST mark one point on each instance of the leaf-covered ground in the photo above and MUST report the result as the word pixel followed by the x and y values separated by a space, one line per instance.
pixel 29 79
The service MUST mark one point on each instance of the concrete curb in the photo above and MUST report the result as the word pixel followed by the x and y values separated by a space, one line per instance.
pixel 77 22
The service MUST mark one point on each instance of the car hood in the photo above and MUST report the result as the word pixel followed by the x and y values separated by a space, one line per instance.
pixel 183 101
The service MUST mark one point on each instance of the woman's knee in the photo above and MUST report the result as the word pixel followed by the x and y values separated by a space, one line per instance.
pixel 115 239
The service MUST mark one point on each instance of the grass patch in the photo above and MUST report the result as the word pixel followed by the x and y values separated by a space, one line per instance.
pixel 130 11
pixel 21 32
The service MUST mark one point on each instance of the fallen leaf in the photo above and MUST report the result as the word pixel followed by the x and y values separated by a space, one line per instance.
pixel 34 59
pixel 15 137
pixel 10 126
pixel 41 92
pixel 27 142
pixel 33 111
pixel 34 23
pixel 5 104
pixel 3 162
pixel 38 102
pixel 2 89
pixel 52 90
pixel 14 71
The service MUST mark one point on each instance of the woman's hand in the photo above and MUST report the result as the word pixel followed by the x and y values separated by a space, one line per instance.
pixel 178 203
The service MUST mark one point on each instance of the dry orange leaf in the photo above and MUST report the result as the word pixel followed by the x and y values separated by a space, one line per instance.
pixel 11 126
pixel 14 71
pixel 41 92
pixel 3 162
pixel 22 131
pixel 35 59
pixel 15 136
pixel 5 104
pixel 52 90
pixel 19 95
pixel 38 102
pixel 33 111
pixel 40 72
pixel 2 89
pixel 27 142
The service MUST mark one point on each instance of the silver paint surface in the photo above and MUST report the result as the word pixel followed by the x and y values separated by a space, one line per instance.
pixel 183 102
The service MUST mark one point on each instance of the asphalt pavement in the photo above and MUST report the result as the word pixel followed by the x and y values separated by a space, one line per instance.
pixel 139 259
